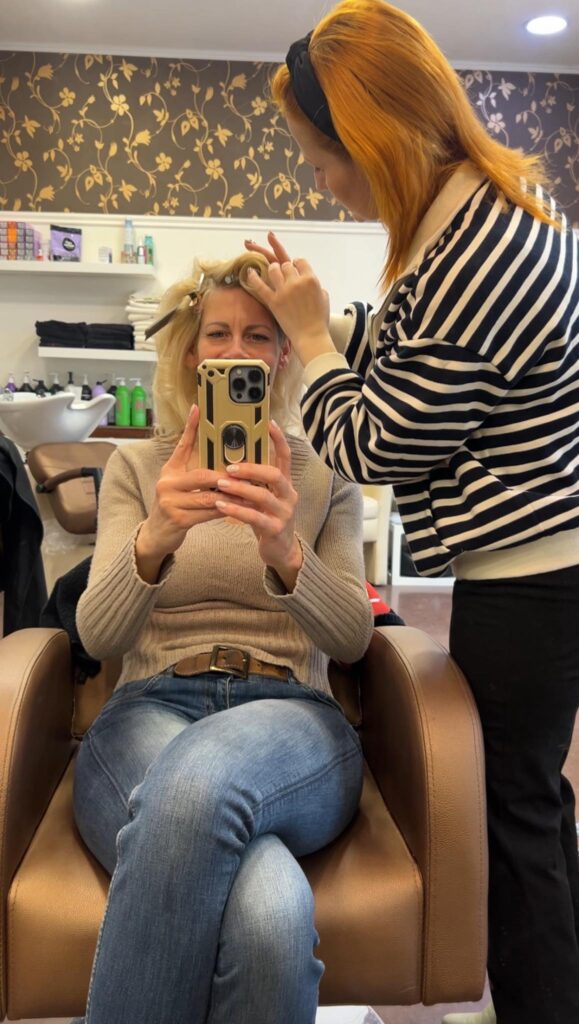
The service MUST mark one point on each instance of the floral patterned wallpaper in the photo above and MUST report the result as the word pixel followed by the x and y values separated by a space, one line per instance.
pixel 93 133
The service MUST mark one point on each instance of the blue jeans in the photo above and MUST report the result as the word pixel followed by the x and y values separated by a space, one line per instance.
pixel 197 795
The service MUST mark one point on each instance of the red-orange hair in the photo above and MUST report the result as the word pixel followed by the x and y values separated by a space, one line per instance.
pixel 403 117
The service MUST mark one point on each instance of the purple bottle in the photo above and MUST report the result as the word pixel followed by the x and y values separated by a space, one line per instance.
pixel 11 384
pixel 97 390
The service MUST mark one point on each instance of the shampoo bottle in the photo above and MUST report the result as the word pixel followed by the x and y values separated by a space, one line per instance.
pixel 138 404
pixel 11 383
pixel 86 393
pixel 97 390
pixel 129 246
pixel 41 390
pixel 111 416
pixel 26 385
pixel 56 386
pixel 123 404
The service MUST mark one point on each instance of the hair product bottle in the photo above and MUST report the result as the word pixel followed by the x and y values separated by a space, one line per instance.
pixel 11 384
pixel 111 415
pixel 99 389
pixel 26 386
pixel 138 404
pixel 86 393
pixel 123 404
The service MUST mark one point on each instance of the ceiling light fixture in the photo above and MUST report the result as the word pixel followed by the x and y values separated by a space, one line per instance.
pixel 547 25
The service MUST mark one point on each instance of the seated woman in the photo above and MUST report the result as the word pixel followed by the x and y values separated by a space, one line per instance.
pixel 222 755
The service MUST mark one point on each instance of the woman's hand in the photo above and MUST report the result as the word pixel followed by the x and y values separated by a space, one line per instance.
pixel 182 499
pixel 269 509
pixel 296 299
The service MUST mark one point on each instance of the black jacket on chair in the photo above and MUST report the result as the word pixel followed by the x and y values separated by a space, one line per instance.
pixel 21 569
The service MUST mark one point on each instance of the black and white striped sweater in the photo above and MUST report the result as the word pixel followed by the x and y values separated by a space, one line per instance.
pixel 463 391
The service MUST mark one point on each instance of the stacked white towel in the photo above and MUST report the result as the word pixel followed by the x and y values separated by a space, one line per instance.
pixel 142 311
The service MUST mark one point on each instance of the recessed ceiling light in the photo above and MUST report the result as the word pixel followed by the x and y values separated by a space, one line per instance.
pixel 547 25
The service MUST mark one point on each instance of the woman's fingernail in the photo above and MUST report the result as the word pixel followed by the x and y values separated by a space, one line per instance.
pixel 252 272
pixel 232 469
pixel 221 504
pixel 224 483
pixel 275 424
pixel 249 241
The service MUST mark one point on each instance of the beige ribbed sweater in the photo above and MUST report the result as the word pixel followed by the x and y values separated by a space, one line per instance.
pixel 216 589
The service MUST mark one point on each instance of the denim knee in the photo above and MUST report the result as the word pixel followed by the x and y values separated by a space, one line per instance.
pixel 269 917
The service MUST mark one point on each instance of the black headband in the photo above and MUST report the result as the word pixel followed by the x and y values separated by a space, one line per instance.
pixel 307 90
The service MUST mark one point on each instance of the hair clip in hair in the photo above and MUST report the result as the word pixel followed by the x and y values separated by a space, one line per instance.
pixel 193 300
pixel 194 295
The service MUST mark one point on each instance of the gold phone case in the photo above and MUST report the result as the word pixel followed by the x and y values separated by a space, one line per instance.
pixel 233 396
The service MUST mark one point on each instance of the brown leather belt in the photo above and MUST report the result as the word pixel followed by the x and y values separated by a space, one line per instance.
pixel 231 660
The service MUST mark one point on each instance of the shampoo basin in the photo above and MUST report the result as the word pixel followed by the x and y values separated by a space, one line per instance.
pixel 28 420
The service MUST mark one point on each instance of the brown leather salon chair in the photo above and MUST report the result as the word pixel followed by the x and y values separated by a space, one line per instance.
pixel 400 895
pixel 71 474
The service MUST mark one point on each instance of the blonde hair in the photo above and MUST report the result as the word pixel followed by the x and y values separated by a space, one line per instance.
pixel 404 118
pixel 174 383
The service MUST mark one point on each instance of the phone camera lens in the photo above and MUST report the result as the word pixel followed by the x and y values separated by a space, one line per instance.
pixel 254 377
pixel 255 394
pixel 240 384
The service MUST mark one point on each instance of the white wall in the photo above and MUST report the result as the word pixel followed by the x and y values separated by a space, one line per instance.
pixel 347 258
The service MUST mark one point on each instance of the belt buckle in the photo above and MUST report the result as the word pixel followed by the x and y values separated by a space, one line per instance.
pixel 242 672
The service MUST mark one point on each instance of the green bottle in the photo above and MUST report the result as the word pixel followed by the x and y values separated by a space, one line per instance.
pixel 138 404
pixel 123 404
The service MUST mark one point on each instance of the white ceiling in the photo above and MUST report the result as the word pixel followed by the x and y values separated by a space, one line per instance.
pixel 473 33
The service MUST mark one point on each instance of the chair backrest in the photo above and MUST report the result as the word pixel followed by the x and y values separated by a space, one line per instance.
pixel 74 502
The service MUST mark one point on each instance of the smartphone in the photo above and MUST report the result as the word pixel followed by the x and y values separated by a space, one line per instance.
pixel 233 398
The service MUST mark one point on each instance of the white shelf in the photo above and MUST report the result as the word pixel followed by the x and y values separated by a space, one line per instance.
pixel 81 269
pixel 101 355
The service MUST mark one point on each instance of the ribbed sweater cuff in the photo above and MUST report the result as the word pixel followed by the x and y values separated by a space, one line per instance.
pixel 330 613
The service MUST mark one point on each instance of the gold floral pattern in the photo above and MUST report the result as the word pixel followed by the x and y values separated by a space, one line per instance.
pixel 96 133
pixel 538 113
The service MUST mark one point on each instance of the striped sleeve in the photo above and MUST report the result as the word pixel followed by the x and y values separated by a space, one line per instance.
pixel 483 308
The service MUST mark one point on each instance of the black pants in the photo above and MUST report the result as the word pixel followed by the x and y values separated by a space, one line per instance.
pixel 517 642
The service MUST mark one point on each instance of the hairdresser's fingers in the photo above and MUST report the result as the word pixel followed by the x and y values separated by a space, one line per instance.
pixel 289 270
pixel 262 290
pixel 277 254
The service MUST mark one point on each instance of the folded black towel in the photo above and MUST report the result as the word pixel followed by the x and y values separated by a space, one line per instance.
pixel 60 329
pixel 120 332
pixel 110 343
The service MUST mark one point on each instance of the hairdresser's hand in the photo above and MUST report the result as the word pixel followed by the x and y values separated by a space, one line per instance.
pixel 269 509
pixel 183 499
pixel 300 305
pixel 277 253
pixel 278 257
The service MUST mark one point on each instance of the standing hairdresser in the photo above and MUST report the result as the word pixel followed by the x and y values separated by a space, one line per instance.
pixel 463 392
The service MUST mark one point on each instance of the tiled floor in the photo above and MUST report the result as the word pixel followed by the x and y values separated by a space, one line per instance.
pixel 428 610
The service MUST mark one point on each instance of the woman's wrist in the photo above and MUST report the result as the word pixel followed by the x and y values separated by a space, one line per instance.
pixel 289 568
pixel 147 557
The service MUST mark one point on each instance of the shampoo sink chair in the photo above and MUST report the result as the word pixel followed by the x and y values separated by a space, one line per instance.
pixel 71 474
pixel 400 895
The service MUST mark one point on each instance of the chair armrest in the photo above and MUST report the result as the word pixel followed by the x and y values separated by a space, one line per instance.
pixel 36 699
pixel 422 740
